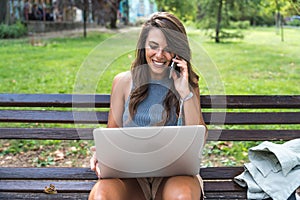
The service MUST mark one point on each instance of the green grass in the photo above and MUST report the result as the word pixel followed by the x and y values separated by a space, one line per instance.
pixel 259 64
pixel 43 69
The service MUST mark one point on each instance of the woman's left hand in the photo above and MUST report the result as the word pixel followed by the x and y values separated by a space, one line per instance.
pixel 181 82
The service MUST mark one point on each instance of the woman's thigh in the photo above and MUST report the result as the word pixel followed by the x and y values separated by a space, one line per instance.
pixel 117 189
pixel 179 187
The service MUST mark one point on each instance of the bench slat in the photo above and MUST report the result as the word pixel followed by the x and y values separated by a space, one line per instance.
pixel 84 196
pixel 87 134
pixel 207 101
pixel 38 196
pixel 86 186
pixel 252 101
pixel 82 117
pixel 39 185
pixel 252 135
pixel 66 173
pixel 226 195
pixel 49 173
pixel 240 118
pixel 54 100
pixel 90 117
pixel 47 133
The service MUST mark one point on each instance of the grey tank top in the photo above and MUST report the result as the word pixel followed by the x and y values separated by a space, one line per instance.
pixel 149 112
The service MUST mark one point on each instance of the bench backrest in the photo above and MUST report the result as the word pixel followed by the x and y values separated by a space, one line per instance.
pixel 229 116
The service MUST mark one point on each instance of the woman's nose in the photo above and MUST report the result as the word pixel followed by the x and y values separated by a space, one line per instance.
pixel 160 52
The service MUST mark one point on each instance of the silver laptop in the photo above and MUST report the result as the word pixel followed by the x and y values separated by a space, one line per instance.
pixel 149 151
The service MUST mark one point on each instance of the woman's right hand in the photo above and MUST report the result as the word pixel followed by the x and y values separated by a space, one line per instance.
pixel 94 162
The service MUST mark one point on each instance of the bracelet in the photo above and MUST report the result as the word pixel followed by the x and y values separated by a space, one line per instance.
pixel 180 117
pixel 189 96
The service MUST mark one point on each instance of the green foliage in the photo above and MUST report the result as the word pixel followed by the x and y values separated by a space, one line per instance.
pixel 227 35
pixel 41 161
pixel 239 24
pixel 185 10
pixel 12 31
pixel 294 23
pixel 21 146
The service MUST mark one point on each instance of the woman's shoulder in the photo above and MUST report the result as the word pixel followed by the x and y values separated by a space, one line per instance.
pixel 123 77
pixel 122 83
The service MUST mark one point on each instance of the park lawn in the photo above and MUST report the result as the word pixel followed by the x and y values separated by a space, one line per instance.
pixel 259 64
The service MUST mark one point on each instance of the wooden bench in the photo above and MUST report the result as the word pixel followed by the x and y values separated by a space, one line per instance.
pixel 76 183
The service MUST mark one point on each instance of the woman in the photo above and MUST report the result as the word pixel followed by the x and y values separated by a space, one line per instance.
pixel 152 94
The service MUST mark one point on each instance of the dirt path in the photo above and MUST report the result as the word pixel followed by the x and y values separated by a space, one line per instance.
pixel 77 32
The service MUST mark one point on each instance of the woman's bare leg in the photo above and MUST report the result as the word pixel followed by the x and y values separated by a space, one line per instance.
pixel 179 188
pixel 117 189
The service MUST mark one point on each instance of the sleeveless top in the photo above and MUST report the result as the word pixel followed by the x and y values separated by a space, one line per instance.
pixel 150 110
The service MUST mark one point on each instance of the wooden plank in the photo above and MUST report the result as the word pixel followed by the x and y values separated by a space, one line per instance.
pixel 86 186
pixel 226 195
pixel 207 101
pixel 252 135
pixel 240 118
pixel 47 173
pixel 36 116
pixel 222 186
pixel 251 101
pixel 87 134
pixel 54 100
pixel 84 196
pixel 219 173
pixel 47 133
pixel 65 173
pixel 39 185
pixel 89 117
pixel 38 196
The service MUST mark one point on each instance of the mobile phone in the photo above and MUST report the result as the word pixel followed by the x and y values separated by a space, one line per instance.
pixel 173 66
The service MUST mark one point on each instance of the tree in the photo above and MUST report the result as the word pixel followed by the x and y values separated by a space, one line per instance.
pixel 4 11
pixel 185 10
pixel 279 18
pixel 219 19
pixel 84 6
pixel 219 14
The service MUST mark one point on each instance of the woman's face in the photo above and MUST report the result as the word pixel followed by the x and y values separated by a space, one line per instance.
pixel 157 55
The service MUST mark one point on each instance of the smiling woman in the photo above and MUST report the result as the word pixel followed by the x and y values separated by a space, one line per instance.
pixel 153 95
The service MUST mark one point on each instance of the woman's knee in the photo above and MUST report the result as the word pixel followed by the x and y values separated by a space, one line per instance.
pixel 181 188
pixel 179 193
pixel 106 190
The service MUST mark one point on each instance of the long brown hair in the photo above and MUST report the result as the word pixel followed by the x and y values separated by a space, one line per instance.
pixel 177 42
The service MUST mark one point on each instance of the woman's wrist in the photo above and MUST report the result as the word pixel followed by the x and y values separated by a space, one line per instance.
pixel 187 96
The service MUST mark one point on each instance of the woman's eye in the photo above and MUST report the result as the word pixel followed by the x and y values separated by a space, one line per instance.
pixel 153 46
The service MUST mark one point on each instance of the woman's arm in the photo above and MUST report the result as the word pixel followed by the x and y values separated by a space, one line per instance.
pixel 119 93
pixel 192 111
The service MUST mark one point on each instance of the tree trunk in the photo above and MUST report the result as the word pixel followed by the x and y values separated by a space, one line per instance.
pixel 113 15
pixel 281 28
pixel 219 19
pixel 279 20
pixel 85 12
pixel 3 11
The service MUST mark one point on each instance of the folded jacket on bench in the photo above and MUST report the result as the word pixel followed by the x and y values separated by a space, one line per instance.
pixel 273 171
